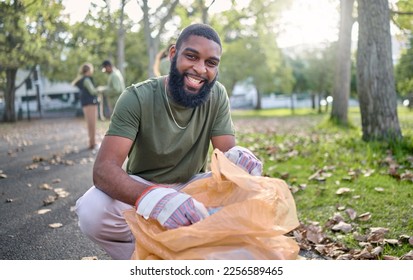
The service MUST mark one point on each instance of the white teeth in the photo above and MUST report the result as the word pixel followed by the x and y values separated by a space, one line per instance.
pixel 194 80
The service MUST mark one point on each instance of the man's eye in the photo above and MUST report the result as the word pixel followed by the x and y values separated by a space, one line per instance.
pixel 212 63
pixel 190 56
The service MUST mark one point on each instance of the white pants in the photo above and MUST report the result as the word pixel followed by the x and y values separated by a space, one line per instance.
pixel 101 219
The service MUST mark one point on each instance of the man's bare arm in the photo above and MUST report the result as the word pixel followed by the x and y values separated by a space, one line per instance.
pixel 108 174
pixel 223 142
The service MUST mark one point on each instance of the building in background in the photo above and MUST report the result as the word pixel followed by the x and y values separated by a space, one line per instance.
pixel 39 97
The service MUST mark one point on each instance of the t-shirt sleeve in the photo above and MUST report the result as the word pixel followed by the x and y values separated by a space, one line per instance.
pixel 223 124
pixel 89 86
pixel 126 118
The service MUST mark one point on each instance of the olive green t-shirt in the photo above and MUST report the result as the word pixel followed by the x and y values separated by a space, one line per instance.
pixel 162 152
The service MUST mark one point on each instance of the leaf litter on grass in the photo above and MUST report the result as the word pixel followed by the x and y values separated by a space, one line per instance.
pixel 349 163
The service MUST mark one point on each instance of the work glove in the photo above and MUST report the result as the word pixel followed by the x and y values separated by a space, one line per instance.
pixel 171 208
pixel 245 159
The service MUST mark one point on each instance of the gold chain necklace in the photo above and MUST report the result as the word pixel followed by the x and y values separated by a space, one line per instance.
pixel 170 111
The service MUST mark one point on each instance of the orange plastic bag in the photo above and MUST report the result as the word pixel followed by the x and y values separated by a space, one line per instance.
pixel 256 213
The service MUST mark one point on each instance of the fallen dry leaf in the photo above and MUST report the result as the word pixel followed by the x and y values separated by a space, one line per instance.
pixel 92 258
pixel 364 254
pixel 390 258
pixel 368 172
pixel 408 256
pixel 32 166
pixel 408 175
pixel 391 241
pixel 359 237
pixel 364 217
pixel 377 234
pixel 55 225
pixel 351 213
pixel 43 211
pixel 342 191
pixel 314 234
pixel 45 187
pixel 315 175
pixel 376 251
pixel 61 192
pixel 37 159
pixel 50 199
pixel 342 226
pixel 379 230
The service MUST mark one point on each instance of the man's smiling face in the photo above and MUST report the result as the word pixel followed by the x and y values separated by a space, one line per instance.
pixel 194 70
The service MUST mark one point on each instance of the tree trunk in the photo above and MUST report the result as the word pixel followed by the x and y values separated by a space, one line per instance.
pixel 313 101
pixel 153 42
pixel 121 40
pixel 376 85
pixel 259 105
pixel 112 27
pixel 10 95
pixel 341 92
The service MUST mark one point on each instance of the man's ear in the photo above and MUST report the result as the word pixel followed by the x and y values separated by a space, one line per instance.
pixel 172 52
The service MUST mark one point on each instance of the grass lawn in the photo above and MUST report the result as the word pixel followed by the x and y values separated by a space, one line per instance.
pixel 354 198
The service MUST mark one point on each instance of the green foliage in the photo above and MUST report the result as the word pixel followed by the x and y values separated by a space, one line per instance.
pixel 401 14
pixel 135 47
pixel 32 32
pixel 250 47
pixel 320 158
pixel 404 72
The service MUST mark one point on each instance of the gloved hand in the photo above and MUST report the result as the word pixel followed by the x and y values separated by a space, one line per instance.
pixel 245 159
pixel 171 208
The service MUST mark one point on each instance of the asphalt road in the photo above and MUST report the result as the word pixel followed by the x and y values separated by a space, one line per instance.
pixel 39 160
pixel 44 165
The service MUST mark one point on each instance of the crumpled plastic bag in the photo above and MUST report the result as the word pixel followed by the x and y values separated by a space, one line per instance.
pixel 254 214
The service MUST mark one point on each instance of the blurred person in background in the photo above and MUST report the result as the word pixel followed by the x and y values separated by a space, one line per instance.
pixel 88 100
pixel 113 89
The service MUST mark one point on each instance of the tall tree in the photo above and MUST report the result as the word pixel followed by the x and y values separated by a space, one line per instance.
pixel 249 41
pixel 342 77
pixel 120 32
pixel 319 72
pixel 154 26
pixel 121 38
pixel 376 85
pixel 31 33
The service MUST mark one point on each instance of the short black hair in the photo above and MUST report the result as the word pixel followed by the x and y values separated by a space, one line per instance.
pixel 198 29
pixel 106 63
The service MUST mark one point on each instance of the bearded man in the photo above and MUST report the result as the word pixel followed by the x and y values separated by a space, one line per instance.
pixel 163 127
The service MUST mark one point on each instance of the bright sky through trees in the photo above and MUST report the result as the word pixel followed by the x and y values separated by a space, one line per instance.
pixel 309 22
pixel 306 22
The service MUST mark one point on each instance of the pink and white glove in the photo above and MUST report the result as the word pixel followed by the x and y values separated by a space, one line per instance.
pixel 245 159
pixel 171 208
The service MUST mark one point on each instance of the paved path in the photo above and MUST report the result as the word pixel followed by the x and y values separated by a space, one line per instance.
pixel 41 159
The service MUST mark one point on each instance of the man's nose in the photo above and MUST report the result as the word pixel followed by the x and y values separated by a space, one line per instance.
pixel 200 67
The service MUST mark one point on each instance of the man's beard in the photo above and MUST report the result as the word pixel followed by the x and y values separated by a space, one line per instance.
pixel 178 93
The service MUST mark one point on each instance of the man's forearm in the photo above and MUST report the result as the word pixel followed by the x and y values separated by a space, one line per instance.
pixel 115 182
